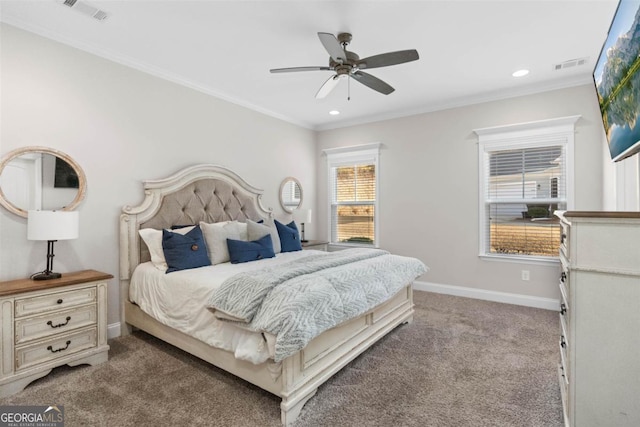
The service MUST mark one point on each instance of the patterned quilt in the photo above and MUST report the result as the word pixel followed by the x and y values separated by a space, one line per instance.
pixel 299 300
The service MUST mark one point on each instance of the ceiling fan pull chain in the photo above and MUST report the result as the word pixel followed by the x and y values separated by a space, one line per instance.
pixel 349 88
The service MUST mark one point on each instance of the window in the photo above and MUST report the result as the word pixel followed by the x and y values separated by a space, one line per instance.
pixel 526 174
pixel 353 194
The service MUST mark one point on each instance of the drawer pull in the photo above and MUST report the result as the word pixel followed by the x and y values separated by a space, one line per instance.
pixel 563 308
pixel 563 277
pixel 59 349
pixel 50 323
pixel 562 238
pixel 563 343
pixel 60 301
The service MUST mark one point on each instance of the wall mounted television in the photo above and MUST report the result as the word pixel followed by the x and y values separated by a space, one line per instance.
pixel 617 81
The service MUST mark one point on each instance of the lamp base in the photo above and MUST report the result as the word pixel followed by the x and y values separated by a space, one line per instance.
pixel 46 275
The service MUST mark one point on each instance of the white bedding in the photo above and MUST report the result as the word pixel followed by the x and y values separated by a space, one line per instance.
pixel 178 300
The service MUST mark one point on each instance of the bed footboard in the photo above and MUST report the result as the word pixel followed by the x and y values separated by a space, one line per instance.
pixel 306 370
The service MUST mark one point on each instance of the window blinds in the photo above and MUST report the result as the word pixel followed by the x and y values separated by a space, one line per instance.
pixel 523 187
pixel 353 204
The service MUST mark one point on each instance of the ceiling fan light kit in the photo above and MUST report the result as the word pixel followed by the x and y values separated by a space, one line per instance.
pixel 347 64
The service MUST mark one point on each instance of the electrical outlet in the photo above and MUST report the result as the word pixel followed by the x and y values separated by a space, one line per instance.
pixel 525 274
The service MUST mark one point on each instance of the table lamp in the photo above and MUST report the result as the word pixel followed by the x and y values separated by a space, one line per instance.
pixel 51 226
pixel 302 216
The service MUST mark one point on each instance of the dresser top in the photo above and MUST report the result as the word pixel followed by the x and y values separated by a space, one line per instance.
pixel 27 285
pixel 603 214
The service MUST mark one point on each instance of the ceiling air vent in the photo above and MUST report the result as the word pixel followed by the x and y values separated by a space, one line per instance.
pixel 570 64
pixel 86 9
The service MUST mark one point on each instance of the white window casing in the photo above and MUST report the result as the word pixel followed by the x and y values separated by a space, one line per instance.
pixel 525 172
pixel 356 192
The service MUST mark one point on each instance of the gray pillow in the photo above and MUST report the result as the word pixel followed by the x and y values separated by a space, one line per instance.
pixel 216 235
pixel 256 231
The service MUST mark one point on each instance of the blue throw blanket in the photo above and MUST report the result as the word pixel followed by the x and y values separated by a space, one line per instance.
pixel 299 300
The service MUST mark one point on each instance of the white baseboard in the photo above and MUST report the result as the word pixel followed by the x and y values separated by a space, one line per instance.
pixel 483 294
pixel 113 330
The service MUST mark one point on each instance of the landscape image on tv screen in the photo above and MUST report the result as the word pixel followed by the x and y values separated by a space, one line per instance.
pixel 617 80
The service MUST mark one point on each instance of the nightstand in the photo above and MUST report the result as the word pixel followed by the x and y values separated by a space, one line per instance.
pixel 318 245
pixel 51 323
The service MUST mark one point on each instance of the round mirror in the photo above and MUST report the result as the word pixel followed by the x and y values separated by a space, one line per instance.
pixel 40 178
pixel 290 194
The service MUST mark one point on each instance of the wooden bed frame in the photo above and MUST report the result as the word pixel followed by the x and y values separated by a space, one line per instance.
pixel 296 378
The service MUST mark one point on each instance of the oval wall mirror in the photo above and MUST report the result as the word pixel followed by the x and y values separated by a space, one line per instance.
pixel 40 178
pixel 290 194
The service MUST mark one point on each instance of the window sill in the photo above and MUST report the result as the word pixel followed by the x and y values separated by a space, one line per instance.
pixel 521 259
pixel 352 245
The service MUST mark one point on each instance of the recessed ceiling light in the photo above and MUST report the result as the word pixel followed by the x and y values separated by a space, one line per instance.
pixel 520 73
pixel 334 112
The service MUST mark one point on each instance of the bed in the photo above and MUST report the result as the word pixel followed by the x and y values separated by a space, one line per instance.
pixel 212 194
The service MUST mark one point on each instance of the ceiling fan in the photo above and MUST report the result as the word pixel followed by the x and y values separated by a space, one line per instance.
pixel 348 64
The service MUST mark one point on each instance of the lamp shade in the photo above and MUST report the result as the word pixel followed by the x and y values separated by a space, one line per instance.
pixel 53 225
pixel 303 216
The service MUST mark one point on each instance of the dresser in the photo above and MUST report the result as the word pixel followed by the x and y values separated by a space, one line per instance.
pixel 50 323
pixel 599 370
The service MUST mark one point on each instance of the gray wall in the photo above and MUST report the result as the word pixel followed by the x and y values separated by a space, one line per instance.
pixel 123 126
pixel 429 185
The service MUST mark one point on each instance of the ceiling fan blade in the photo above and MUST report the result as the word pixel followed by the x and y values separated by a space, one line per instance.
pixel 287 70
pixel 390 58
pixel 332 45
pixel 372 82
pixel 328 86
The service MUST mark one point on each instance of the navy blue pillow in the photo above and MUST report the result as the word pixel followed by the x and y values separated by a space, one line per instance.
pixel 241 251
pixel 289 236
pixel 184 251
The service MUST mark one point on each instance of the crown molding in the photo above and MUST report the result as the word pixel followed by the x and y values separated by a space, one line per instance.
pixel 463 102
pixel 199 87
pixel 146 68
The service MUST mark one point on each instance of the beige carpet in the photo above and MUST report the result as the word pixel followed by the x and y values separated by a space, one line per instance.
pixel 462 362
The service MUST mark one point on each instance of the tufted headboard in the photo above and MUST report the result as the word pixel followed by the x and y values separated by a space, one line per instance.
pixel 208 193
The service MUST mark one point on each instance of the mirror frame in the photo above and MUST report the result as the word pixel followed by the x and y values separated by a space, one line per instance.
pixel 82 179
pixel 284 182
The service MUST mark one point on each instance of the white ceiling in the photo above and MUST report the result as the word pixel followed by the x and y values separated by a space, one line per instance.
pixel 468 49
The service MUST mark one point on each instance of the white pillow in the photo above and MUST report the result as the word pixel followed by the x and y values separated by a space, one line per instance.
pixel 216 235
pixel 242 226
pixel 153 240
pixel 256 231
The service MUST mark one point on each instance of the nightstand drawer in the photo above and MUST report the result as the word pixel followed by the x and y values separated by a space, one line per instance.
pixel 54 301
pixel 52 349
pixel 33 328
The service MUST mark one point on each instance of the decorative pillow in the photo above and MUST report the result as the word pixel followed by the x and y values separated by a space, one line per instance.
pixel 289 236
pixel 241 251
pixel 216 235
pixel 186 251
pixel 153 239
pixel 256 230
pixel 242 226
